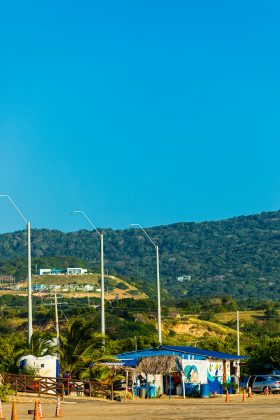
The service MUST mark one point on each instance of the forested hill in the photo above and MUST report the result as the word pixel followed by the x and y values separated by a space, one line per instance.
pixel 238 256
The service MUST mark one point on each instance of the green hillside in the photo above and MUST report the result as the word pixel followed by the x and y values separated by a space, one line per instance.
pixel 238 256
pixel 131 323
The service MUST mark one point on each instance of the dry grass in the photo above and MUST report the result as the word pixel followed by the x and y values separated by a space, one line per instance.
pixel 244 316
pixel 198 328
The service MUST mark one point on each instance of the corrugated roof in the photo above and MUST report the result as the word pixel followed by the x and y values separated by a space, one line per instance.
pixel 180 351
pixel 202 352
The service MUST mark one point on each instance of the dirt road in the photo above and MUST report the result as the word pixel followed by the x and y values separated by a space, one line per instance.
pixel 260 407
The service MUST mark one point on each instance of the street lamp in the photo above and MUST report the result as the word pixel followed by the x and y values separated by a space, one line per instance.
pixel 102 270
pixel 29 267
pixel 158 281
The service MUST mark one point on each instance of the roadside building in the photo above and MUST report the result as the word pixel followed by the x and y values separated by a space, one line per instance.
pixel 181 370
pixel 45 366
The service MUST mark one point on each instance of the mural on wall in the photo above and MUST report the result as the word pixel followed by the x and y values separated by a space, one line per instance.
pixel 228 372
pixel 215 371
pixel 195 371
pixel 215 376
pixel 209 372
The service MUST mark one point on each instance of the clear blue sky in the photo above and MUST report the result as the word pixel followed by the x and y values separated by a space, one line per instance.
pixel 149 112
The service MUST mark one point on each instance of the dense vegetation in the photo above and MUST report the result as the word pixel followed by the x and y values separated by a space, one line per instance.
pixel 131 324
pixel 233 264
pixel 238 257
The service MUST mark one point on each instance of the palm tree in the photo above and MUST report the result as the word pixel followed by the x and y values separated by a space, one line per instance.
pixel 79 345
pixel 104 376
pixel 42 344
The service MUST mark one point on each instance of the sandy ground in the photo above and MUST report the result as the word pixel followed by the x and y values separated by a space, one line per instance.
pixel 260 407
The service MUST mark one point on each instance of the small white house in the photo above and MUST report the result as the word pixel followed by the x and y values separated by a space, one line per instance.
pixel 89 288
pixel 38 287
pixel 44 271
pixel 184 278
pixel 51 271
pixel 54 286
pixel 46 366
pixel 76 271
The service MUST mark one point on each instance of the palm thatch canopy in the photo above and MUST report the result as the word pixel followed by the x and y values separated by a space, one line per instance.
pixel 115 367
pixel 157 364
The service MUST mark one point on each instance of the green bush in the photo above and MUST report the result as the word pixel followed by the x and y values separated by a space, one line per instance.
pixel 29 370
pixel 121 285
pixel 5 390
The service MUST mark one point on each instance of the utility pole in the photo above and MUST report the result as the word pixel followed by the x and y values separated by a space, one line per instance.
pixel 102 297
pixel 56 304
pixel 56 319
pixel 238 346
pixel 238 333
pixel 30 329
pixel 158 281
pixel 158 298
pixel 102 286
pixel 29 278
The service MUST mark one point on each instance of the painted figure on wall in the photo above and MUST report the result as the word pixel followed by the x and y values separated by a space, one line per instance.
pixel 191 374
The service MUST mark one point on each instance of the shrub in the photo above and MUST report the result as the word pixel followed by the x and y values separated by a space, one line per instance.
pixel 5 390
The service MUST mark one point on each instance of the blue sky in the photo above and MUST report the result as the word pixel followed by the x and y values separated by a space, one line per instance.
pixel 149 112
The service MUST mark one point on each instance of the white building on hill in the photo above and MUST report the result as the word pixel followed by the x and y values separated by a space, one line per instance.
pixel 68 271
pixel 76 271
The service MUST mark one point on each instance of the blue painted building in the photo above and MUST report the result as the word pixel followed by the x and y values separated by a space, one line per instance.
pixel 206 368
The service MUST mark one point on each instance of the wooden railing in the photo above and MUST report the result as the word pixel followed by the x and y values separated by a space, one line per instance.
pixel 55 386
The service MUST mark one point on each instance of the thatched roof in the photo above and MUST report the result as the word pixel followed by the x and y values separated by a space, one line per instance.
pixel 157 364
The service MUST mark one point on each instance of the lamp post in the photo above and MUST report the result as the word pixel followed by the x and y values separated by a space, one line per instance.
pixel 158 281
pixel 102 270
pixel 238 347
pixel 30 331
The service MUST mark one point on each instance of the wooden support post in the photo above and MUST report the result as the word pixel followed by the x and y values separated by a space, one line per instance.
pixel 224 371
pixel 112 391
pixel 183 386
pixel 16 388
pixel 112 386
pixel 170 387
pixel 62 392
pixel 126 384
pixel 132 386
